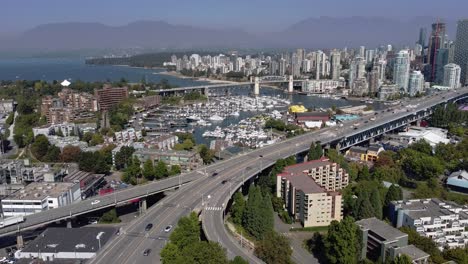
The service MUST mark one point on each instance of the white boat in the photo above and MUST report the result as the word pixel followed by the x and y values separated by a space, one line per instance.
pixel 216 118
pixel 193 118
pixel 235 113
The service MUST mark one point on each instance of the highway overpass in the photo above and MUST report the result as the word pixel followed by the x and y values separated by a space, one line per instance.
pixel 202 190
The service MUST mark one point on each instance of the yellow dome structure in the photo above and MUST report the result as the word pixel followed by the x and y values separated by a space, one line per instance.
pixel 297 109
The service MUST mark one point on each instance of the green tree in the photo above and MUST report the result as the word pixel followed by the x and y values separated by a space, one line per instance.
pixel 203 252
pixel 237 208
pixel 52 155
pixel 96 139
pixel 175 170
pixel 161 170
pixel 376 203
pixel 365 209
pixel 206 154
pixel 124 157
pixel 258 213
pixel 422 146
pixel 238 260
pixel 274 249
pixel 148 170
pixel 402 259
pixel 40 146
pixel 87 137
pixel 315 151
pixel 110 217
pixel 394 193
pixel 424 243
pixel 363 174
pixel 186 232
pixel 342 243
pixel 459 255
pixel 10 119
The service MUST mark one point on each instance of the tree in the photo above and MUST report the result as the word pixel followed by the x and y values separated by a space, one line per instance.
pixel 96 139
pixel 203 252
pixel 422 146
pixel 87 137
pixel 53 154
pixel 376 203
pixel 123 157
pixel 426 244
pixel 419 165
pixel 315 151
pixel 206 154
pixel 110 217
pixel 365 209
pixel 363 174
pixel 186 232
pixel 258 213
pixel 175 169
pixel 132 172
pixel 148 170
pixel 402 259
pixel 70 154
pixel 40 146
pixel 459 255
pixel 274 249
pixel 237 208
pixel 342 243
pixel 238 260
pixel 93 162
pixel 394 193
pixel 161 170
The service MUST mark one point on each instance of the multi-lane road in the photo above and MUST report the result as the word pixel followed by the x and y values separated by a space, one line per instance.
pixel 211 195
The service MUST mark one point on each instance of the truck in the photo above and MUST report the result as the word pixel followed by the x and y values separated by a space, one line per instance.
pixel 11 221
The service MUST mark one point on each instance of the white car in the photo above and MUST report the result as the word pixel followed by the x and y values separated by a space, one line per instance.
pixel 95 202
pixel 168 228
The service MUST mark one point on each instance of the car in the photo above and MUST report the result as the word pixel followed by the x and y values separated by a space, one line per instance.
pixel 224 181
pixel 168 228
pixel 148 227
pixel 366 121
pixel 93 222
pixel 214 174
pixel 147 252
pixel 95 202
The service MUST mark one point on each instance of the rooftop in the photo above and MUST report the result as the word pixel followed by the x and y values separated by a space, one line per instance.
pixel 385 231
pixel 40 191
pixel 427 207
pixel 59 239
pixel 412 251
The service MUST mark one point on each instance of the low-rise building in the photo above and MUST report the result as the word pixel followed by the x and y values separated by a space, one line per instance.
pixel 382 242
pixel 67 129
pixel 443 222
pixel 61 244
pixel 128 135
pixel 322 86
pixel 310 191
pixel 7 106
pixel 109 96
pixel 21 172
pixel 303 118
pixel 388 91
pixel 365 154
pixel 187 160
pixel 431 135
pixel 40 196
pixel 458 181
pixel 89 182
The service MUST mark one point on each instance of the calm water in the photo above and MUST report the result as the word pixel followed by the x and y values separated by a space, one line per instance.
pixel 50 69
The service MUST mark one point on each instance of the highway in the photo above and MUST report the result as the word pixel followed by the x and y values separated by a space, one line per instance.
pixel 128 247
pixel 201 186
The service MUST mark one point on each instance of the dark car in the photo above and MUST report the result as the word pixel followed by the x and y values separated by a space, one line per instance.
pixel 148 227
pixel 224 181
pixel 146 252
pixel 214 174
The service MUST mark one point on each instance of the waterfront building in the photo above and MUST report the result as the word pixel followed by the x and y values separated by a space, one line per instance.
pixel 187 160
pixel 458 181
pixel 416 83
pixel 322 86
pixel 401 70
pixel 360 87
pixel 452 76
pixel 388 91
pixel 310 191
pixel 461 50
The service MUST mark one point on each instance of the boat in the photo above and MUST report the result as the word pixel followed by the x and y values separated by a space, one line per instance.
pixel 235 113
pixel 216 118
pixel 193 118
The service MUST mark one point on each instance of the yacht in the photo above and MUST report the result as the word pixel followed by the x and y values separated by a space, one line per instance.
pixel 216 118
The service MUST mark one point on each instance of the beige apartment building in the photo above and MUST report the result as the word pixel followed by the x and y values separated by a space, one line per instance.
pixel 311 191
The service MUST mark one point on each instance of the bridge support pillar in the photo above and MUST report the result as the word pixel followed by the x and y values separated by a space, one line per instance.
pixel 257 86
pixel 69 223
pixel 19 241
pixel 144 206
pixel 290 84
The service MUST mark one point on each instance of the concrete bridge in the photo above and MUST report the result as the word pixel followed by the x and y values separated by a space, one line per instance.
pixel 255 82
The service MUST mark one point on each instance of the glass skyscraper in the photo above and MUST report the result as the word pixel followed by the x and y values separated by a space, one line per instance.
pixel 401 70
pixel 461 49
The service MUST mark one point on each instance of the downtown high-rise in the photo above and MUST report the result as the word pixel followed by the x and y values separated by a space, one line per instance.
pixel 416 83
pixel 401 70
pixel 436 41
pixel 452 74
pixel 335 64
pixel 461 50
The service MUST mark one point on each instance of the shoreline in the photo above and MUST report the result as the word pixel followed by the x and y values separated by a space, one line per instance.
pixel 178 75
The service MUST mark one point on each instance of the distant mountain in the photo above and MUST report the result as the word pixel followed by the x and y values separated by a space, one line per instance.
pixel 323 32
pixel 328 32
pixel 146 34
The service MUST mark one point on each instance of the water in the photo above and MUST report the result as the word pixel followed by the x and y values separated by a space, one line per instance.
pixel 75 69
pixel 50 69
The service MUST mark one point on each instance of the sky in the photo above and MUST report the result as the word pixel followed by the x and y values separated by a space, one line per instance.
pixel 249 15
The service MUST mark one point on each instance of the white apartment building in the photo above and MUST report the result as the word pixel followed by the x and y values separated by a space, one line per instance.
pixel 310 191
pixel 128 135
pixel 40 196
pixel 452 75
pixel 322 86
pixel 443 222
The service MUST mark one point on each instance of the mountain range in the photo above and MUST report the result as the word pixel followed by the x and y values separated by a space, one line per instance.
pixel 322 32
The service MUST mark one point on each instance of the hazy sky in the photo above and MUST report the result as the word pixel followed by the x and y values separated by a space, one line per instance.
pixel 252 15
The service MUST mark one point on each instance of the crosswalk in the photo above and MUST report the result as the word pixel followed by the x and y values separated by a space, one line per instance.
pixel 213 208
